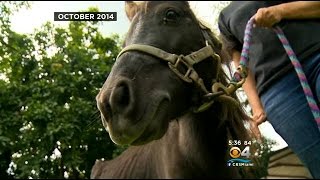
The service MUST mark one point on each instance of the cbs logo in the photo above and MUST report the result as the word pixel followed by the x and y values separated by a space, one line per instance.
pixel 236 152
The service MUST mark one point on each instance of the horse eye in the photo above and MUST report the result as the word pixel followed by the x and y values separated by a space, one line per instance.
pixel 171 15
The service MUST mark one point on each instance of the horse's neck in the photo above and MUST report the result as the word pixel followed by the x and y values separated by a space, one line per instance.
pixel 192 147
pixel 199 136
pixel 195 145
pixel 137 162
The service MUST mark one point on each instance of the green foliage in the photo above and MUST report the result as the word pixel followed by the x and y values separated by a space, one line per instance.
pixel 260 155
pixel 48 83
pixel 263 153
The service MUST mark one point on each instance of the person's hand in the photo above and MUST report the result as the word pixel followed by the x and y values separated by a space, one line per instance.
pixel 258 118
pixel 267 17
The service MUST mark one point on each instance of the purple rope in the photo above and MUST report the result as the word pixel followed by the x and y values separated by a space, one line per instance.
pixel 297 66
pixel 246 43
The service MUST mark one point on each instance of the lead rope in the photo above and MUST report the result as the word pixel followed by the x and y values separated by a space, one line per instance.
pixel 297 66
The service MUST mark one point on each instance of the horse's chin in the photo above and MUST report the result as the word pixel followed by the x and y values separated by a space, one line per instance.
pixel 152 126
pixel 155 131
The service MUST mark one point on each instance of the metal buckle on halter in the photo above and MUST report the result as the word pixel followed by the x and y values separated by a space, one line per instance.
pixel 232 86
pixel 179 65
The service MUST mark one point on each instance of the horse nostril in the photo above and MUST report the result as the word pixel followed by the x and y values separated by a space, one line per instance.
pixel 120 97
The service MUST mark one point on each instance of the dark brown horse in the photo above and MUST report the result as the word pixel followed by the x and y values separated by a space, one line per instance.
pixel 152 96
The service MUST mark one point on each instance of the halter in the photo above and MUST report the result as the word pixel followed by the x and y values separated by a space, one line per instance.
pixel 185 62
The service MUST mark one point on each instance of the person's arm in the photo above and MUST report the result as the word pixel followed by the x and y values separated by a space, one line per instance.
pixel 249 87
pixel 268 16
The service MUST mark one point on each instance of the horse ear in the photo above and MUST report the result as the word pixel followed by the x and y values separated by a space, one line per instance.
pixel 187 3
pixel 131 9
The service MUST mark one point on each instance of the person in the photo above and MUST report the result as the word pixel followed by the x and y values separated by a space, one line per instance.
pixel 272 86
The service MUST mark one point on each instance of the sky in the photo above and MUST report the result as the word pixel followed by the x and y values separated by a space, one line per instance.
pixel 26 20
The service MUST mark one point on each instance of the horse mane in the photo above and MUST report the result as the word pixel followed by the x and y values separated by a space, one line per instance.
pixel 230 113
pixel 233 114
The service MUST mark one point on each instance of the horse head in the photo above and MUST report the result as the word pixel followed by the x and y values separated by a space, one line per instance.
pixel 168 63
pixel 168 95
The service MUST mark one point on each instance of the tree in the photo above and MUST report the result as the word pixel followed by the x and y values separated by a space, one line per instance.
pixel 50 126
pixel 260 155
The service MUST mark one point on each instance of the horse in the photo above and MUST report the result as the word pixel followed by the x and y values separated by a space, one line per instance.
pixel 156 99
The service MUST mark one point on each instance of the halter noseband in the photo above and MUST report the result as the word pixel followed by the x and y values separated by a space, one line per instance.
pixel 187 62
